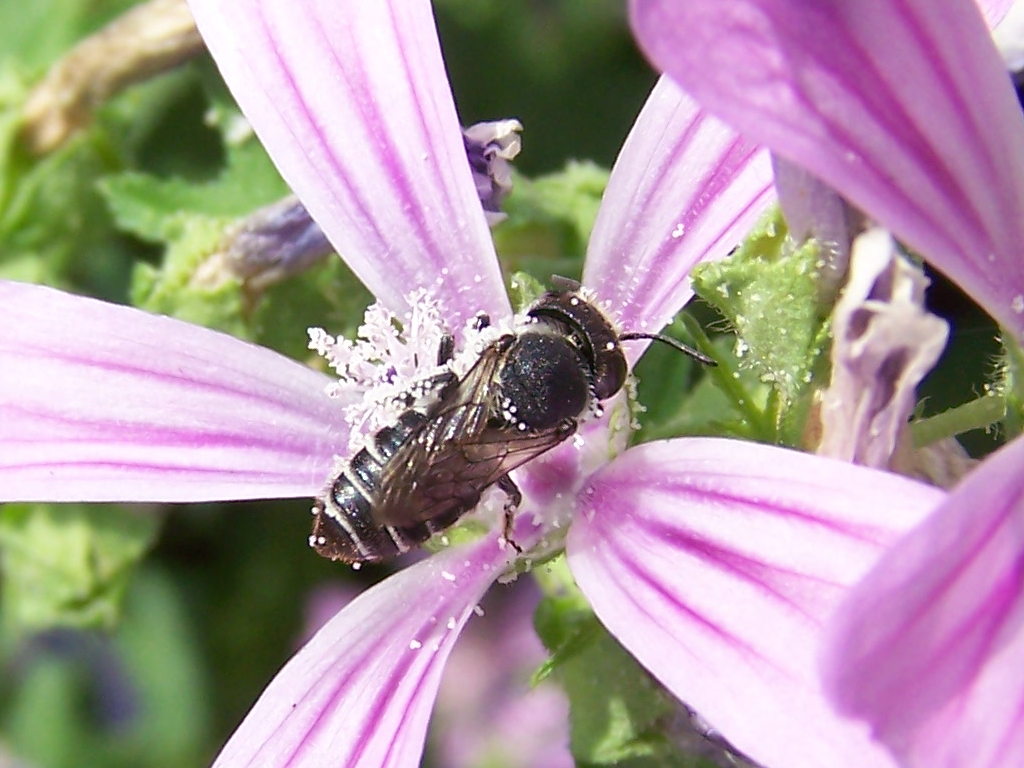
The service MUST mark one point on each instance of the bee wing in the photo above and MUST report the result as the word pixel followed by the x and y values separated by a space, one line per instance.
pixel 444 467
pixel 449 479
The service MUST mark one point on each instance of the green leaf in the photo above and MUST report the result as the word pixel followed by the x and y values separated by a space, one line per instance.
pixel 38 32
pixel 13 91
pixel 143 203
pixel 50 213
pixel 549 221
pixel 54 226
pixel 524 289
pixel 618 714
pixel 247 181
pixel 1012 387
pixel 175 288
pixel 678 396
pixel 768 293
pixel 191 219
pixel 69 564
pixel 327 296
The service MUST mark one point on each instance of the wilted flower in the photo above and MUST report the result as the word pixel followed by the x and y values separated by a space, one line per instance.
pixel 906 110
pixel 714 562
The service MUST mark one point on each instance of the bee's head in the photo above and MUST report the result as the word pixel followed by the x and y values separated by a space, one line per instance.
pixel 591 332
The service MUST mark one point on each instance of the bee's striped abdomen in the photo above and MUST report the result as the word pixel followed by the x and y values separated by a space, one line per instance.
pixel 344 527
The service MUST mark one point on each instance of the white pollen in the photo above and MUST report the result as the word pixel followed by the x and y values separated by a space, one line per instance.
pixel 447 576
pixel 415 645
pixel 1018 303
pixel 679 231
pixel 356 566
pixel 478 610
pixel 452 623
pixel 610 346
pixel 312 540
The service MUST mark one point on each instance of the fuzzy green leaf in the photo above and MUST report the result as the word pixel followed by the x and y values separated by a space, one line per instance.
pixel 768 293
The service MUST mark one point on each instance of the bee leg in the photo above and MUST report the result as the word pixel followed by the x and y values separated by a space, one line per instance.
pixel 515 498
pixel 446 349
pixel 481 321
pixel 444 384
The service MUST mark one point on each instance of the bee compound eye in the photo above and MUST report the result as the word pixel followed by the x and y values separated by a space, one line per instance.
pixel 544 381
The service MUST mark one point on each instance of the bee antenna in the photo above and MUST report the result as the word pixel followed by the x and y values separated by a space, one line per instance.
pixel 674 343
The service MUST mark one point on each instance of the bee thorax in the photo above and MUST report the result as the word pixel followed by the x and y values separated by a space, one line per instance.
pixel 543 382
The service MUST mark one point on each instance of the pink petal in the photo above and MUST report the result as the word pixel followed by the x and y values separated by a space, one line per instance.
pixel 361 691
pixel 994 11
pixel 929 647
pixel 717 562
pixel 352 102
pixel 684 188
pixel 100 402
pixel 903 107
pixel 884 343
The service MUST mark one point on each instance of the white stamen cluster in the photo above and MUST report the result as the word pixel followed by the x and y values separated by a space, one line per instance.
pixel 392 361
pixel 387 364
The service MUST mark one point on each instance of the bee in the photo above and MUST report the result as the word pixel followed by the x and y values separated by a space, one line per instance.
pixel 523 396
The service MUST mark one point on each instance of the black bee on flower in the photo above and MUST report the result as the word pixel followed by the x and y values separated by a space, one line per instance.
pixel 525 394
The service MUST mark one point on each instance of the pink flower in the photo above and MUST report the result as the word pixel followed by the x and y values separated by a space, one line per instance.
pixel 715 562
pixel 904 108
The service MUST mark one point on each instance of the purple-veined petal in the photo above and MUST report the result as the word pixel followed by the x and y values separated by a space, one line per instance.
pixel 352 102
pixel 929 647
pixel 717 563
pixel 903 107
pixel 684 188
pixel 100 402
pixel 361 691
